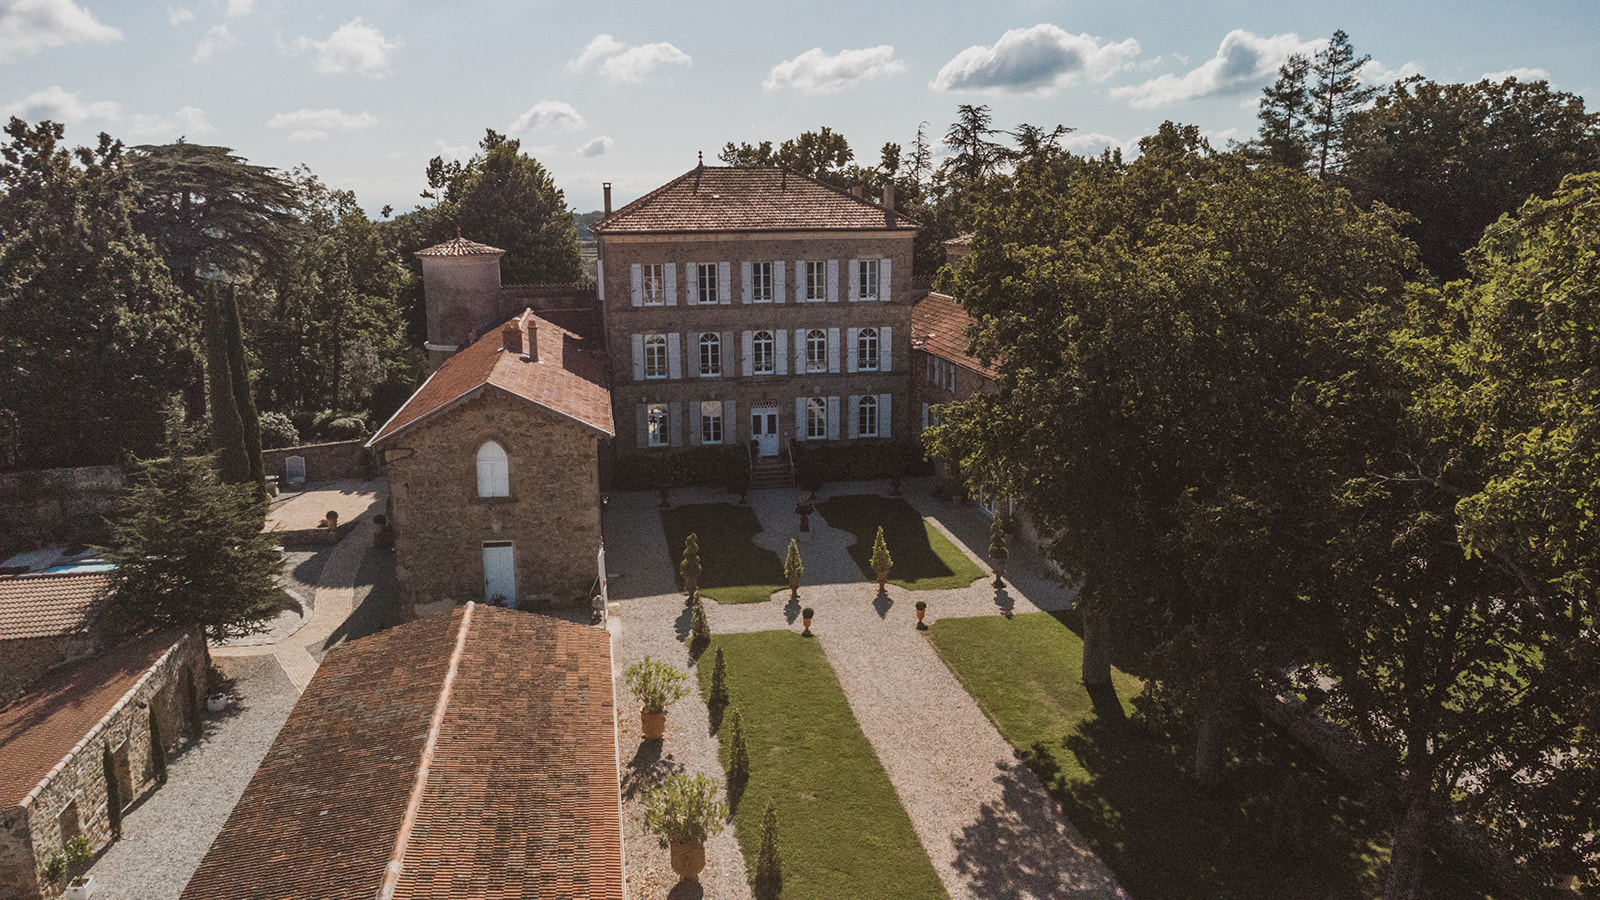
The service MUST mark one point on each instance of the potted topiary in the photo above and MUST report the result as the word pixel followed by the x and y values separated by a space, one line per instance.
pixel 689 567
pixel 684 811
pixel 792 569
pixel 998 553
pixel 881 562
pixel 922 610
pixel 805 618
pixel 656 686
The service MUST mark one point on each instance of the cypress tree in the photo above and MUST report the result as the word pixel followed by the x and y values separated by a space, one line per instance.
pixel 719 682
pixel 699 629
pixel 227 427
pixel 113 791
pixel 158 749
pixel 738 751
pixel 244 402
pixel 768 879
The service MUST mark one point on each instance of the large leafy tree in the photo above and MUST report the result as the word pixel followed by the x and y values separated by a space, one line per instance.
pixel 95 334
pixel 189 549
pixel 1458 156
pixel 505 198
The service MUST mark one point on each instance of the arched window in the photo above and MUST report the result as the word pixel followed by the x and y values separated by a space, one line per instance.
pixel 816 418
pixel 710 354
pixel 816 350
pixel 494 474
pixel 867 350
pixel 762 348
pixel 867 417
pixel 655 356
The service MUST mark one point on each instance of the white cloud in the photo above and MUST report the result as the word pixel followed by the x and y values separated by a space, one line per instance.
pixel 602 46
pixel 237 8
pixel 1035 60
pixel 353 47
pixel 462 152
pixel 1520 74
pixel 596 147
pixel 549 114
pixel 815 72
pixel 61 105
pixel 1093 143
pixel 1375 72
pixel 218 38
pixel 1243 63
pixel 318 124
pixel 620 62
pixel 28 26
pixel 179 16
pixel 186 122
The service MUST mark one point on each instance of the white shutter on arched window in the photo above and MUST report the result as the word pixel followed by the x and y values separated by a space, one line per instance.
pixel 494 473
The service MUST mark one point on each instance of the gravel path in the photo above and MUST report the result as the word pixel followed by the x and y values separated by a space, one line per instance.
pixel 989 827
pixel 165 836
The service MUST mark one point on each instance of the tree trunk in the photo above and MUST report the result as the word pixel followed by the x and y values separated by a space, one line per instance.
pixel 1096 645
pixel 1211 748
pixel 1408 854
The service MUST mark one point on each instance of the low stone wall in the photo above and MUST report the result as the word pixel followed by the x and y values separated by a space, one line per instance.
pixel 58 505
pixel 324 462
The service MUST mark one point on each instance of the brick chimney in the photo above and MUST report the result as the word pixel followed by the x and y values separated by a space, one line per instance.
pixel 888 204
pixel 607 188
pixel 855 191
pixel 528 326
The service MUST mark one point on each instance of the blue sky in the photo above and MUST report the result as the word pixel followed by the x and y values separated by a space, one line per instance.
pixel 627 92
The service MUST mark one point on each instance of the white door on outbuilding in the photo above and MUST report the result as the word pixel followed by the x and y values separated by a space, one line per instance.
pixel 499 572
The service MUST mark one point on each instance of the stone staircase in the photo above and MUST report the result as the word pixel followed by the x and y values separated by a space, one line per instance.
pixel 771 472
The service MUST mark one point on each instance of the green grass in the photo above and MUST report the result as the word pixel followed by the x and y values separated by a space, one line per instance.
pixel 842 831
pixel 733 568
pixel 924 559
pixel 1278 828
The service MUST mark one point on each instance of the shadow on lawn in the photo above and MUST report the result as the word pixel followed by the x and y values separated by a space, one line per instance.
pixel 903 531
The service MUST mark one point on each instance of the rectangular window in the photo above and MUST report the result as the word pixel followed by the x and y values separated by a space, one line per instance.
pixel 708 282
pixel 867 350
pixel 761 282
pixel 711 422
pixel 655 356
pixel 816 281
pixel 710 354
pixel 762 348
pixel 650 285
pixel 816 350
pixel 816 418
pixel 656 425
pixel 867 288
pixel 867 417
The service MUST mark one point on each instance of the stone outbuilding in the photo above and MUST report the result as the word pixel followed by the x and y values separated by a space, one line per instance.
pixel 493 469
pixel 54 739
pixel 466 755
pixel 47 620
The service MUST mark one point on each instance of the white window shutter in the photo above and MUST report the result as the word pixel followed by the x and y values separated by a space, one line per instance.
pixel 852 359
pixel 724 282
pixel 726 369
pixel 799 418
pixel 854 284
pixel 885 415
pixel 675 424
pixel 694 354
pixel 674 356
pixel 638 357
pixel 777 281
pixel 800 281
pixel 833 281
pixel 833 418
pixel 694 422
pixel 672 283
pixel 799 351
pixel 885 348
pixel 747 353
pixel 855 416
pixel 641 425
pixel 638 284
pixel 747 280
pixel 780 351
pixel 924 417
pixel 730 425
pixel 833 350
pixel 883 280
pixel 691 284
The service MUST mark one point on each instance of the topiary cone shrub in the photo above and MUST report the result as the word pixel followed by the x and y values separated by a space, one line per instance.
pixel 793 569
pixel 699 629
pixel 689 566
pixel 998 552
pixel 719 682
pixel 881 561
pixel 767 882
pixel 805 618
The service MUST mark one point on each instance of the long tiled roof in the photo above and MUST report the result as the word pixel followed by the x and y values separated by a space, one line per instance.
pixel 938 326
pixel 36 606
pixel 38 729
pixel 519 798
pixel 567 379
pixel 710 198
pixel 459 246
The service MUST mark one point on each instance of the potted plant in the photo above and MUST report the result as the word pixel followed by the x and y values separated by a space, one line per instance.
pixel 217 702
pixel 998 553
pixel 689 567
pixel 80 888
pixel 805 618
pixel 656 686
pixel 792 569
pixel 881 562
pixel 684 811
pixel 922 610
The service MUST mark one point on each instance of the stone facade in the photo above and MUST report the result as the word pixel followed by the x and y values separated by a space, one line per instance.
pixel 332 461
pixel 74 794
pixel 23 660
pixel 740 387
pixel 551 518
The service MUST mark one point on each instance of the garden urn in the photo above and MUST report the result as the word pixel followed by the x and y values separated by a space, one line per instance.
pixel 794 588
pixel 883 577
pixel 653 725
pixel 688 860
pixel 921 611
pixel 805 619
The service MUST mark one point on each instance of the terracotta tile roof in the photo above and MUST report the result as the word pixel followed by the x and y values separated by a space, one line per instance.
pixel 736 199
pixel 938 326
pixel 34 606
pixel 519 799
pixel 38 729
pixel 568 379
pixel 459 246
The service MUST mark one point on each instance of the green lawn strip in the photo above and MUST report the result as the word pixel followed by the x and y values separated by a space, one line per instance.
pixel 924 559
pixel 842 830
pixel 733 568
pixel 1278 828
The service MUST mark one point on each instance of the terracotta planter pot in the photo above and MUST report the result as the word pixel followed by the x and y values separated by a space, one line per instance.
pixel 882 578
pixel 654 725
pixel 794 589
pixel 807 622
pixel 920 614
pixel 688 860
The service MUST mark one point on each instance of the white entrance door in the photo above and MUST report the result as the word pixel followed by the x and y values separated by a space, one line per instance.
pixel 499 572
pixel 764 428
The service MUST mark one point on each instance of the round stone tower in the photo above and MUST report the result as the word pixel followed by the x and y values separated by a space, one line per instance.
pixel 461 288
